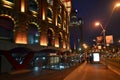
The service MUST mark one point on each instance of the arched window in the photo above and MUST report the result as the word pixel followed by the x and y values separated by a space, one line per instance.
pixel 59 8
pixel 60 41
pixel 50 2
pixel 50 37
pixel 49 14
pixel 33 35
pixel 59 19
pixel 10 1
pixel 6 28
pixel 33 5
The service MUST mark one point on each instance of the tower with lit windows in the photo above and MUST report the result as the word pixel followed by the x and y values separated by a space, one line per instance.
pixel 75 30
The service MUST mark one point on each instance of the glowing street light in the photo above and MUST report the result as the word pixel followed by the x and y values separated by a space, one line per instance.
pixel 117 5
pixel 85 46
pixel 103 30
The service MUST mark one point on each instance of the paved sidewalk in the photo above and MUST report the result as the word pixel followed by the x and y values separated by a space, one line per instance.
pixel 92 72
pixel 112 68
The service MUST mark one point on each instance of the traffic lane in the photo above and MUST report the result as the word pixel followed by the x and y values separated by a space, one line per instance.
pixel 92 72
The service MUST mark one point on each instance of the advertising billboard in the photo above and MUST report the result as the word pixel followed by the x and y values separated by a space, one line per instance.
pixel 96 57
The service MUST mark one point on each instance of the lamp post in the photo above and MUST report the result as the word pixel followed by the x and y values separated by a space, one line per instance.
pixel 104 36
pixel 104 32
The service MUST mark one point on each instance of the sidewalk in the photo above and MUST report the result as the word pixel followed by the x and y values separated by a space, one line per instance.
pixel 112 68
pixel 95 71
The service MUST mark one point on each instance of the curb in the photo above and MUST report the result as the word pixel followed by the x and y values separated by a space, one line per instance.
pixel 20 72
pixel 114 69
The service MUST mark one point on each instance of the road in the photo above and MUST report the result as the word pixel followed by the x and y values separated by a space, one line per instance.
pixel 92 72
pixel 40 75
pixel 85 71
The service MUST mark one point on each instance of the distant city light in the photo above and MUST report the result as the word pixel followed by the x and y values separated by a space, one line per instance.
pixel 76 10
pixel 80 49
pixel 36 68
pixel 37 58
pixel 43 58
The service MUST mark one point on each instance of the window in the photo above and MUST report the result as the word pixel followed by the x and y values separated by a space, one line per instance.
pixel 33 6
pixel 50 37
pixel 50 2
pixel 59 21
pixel 64 26
pixel 6 28
pixel 49 14
pixel 60 41
pixel 33 35
pixel 10 0
pixel 59 9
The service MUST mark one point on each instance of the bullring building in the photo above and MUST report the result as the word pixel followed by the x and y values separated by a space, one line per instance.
pixel 33 33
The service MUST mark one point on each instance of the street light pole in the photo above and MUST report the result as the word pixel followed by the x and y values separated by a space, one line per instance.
pixel 104 37
pixel 104 33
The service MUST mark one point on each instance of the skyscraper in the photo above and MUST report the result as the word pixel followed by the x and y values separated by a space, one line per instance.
pixel 75 32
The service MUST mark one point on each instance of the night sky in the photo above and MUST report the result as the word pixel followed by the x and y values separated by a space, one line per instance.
pixel 98 10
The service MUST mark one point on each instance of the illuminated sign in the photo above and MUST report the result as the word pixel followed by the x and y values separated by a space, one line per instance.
pixel 96 57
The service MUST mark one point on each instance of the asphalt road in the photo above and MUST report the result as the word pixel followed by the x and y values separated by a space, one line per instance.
pixel 85 71
pixel 40 75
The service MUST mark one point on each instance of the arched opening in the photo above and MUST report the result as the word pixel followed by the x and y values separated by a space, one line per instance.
pixel 6 28
pixel 50 2
pixel 33 5
pixel 60 40
pixel 33 34
pixel 59 19
pixel 50 37
pixel 49 14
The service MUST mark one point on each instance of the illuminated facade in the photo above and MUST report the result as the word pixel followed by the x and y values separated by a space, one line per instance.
pixel 34 24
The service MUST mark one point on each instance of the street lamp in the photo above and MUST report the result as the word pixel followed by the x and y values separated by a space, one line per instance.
pixel 103 30
pixel 104 36
pixel 117 5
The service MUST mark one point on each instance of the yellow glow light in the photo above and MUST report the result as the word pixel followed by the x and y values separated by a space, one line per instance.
pixel 43 41
pixel 117 5
pixel 97 24
pixel 22 6
pixel 7 4
pixel 43 15
pixel 21 39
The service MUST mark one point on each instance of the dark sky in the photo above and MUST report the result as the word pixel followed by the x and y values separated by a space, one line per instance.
pixel 98 10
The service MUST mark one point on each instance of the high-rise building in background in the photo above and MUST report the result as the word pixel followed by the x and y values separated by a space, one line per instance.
pixel 75 29
pixel 33 32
